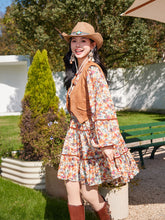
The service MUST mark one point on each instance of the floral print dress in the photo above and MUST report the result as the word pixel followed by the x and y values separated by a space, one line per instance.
pixel 82 159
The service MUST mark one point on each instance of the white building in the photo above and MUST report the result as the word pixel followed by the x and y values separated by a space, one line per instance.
pixel 13 78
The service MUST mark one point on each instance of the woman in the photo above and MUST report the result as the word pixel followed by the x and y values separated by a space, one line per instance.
pixel 94 151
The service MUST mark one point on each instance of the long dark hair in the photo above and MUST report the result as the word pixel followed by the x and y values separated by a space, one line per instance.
pixel 70 69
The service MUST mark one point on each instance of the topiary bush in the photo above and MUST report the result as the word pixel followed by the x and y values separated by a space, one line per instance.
pixel 43 125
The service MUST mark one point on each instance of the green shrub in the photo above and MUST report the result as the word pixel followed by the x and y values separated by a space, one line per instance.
pixel 40 109
pixel 40 90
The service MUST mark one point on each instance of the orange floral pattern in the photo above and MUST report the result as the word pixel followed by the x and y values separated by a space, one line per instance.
pixel 82 158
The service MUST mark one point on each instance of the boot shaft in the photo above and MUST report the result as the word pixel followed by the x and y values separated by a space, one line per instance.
pixel 104 213
pixel 76 212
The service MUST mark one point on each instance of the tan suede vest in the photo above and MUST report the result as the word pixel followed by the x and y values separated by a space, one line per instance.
pixel 78 102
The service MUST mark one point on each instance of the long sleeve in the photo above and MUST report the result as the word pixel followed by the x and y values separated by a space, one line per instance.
pixel 102 108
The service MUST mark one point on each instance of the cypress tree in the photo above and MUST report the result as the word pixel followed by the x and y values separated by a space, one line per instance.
pixel 40 89
pixel 40 108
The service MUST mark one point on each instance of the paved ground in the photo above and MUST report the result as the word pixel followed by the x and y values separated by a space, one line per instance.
pixel 147 193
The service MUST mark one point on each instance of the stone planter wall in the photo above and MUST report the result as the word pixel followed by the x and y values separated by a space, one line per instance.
pixel 26 173
pixel 54 186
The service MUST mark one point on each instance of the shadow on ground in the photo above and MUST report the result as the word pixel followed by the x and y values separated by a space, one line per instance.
pixel 148 187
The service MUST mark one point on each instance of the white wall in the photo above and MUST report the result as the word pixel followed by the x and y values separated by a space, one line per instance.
pixel 60 90
pixel 13 78
pixel 140 88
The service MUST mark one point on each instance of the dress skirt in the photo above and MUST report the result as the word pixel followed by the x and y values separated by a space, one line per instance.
pixel 82 160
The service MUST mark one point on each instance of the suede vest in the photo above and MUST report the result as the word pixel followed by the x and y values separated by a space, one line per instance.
pixel 78 101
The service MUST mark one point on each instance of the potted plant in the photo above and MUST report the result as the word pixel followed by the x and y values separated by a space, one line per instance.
pixel 40 109
pixel 50 144
pixel 117 197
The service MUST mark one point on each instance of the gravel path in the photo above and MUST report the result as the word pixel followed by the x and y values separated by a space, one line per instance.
pixel 147 193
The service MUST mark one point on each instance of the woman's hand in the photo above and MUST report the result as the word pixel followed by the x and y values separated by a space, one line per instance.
pixel 108 151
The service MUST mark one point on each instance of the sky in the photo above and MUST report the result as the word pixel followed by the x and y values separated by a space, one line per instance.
pixel 4 4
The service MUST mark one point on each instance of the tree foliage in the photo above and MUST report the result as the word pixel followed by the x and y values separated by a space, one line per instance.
pixel 7 46
pixel 127 41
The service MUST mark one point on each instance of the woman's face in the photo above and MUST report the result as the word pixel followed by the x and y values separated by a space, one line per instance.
pixel 81 47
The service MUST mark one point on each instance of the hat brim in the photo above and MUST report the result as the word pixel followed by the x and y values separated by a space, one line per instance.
pixel 95 37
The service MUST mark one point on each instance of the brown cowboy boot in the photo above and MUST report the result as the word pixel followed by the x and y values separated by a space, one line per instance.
pixel 104 213
pixel 76 212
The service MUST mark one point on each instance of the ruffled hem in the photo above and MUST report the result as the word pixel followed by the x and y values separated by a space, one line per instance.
pixel 96 171
pixel 82 159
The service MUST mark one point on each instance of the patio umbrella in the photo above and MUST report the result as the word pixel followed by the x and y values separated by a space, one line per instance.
pixel 151 9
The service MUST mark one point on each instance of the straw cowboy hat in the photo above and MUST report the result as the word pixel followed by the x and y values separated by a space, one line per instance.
pixel 86 30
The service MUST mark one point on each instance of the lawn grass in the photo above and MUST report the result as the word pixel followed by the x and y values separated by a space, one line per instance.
pixel 21 203
pixel 9 130
pixel 9 133
pixel 130 118
pixel 18 202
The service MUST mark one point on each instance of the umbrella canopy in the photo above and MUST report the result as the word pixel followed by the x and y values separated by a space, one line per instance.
pixel 151 9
